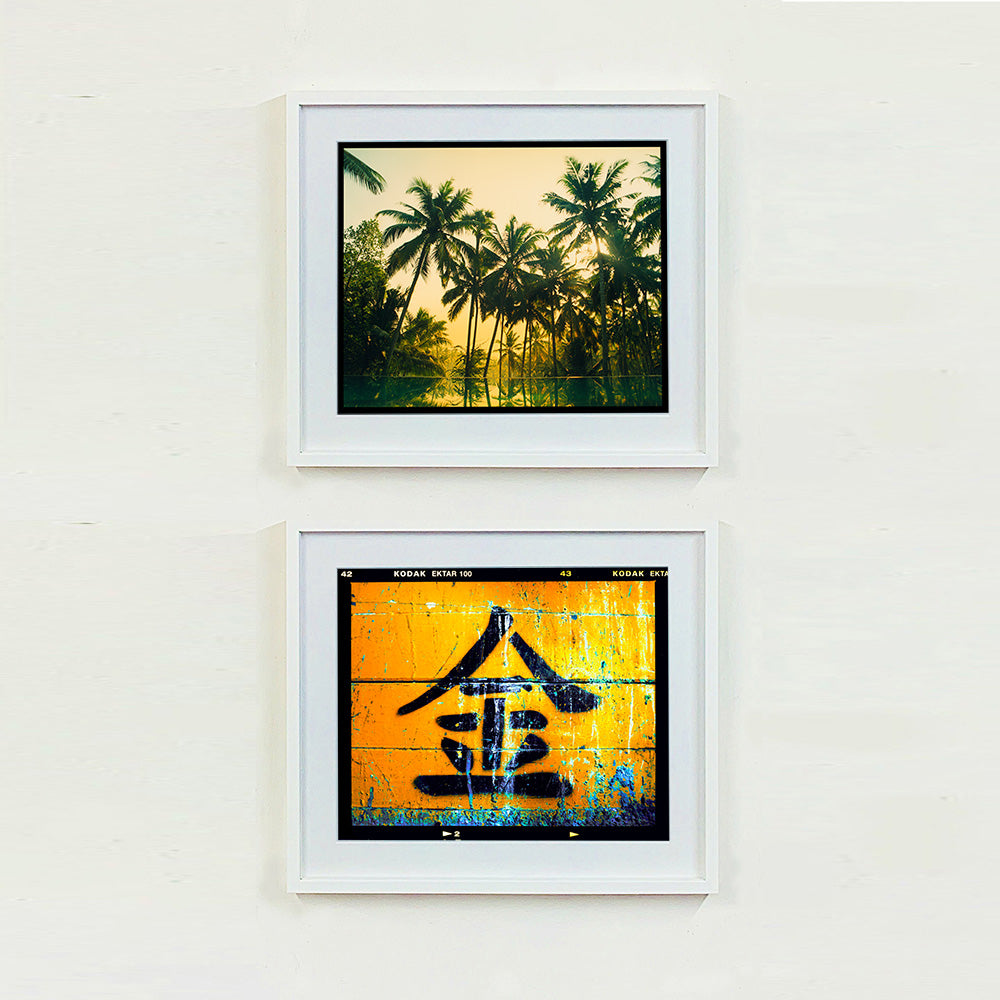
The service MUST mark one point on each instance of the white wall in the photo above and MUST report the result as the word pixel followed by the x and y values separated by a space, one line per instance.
pixel 141 848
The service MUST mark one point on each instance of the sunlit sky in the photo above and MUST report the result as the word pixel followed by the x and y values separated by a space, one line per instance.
pixel 505 180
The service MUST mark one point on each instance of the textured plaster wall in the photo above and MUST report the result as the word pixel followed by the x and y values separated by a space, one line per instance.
pixel 141 847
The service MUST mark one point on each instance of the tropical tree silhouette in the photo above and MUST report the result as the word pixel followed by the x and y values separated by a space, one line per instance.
pixel 556 280
pixel 467 282
pixel 362 173
pixel 424 345
pixel 513 249
pixel 647 213
pixel 591 206
pixel 466 286
pixel 531 309
pixel 432 226
pixel 369 308
pixel 508 349
pixel 631 274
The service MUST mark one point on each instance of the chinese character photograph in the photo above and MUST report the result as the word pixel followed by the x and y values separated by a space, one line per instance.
pixel 500 706
pixel 479 277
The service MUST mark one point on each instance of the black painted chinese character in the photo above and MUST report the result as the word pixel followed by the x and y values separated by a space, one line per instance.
pixel 566 696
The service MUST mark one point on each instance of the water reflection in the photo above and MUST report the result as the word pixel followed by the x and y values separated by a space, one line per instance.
pixel 445 392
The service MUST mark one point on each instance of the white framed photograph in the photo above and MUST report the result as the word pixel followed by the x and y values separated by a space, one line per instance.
pixel 520 280
pixel 502 712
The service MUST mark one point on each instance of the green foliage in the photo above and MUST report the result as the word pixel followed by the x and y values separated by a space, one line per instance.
pixel 363 243
pixel 423 348
pixel 429 231
pixel 362 173
pixel 647 215
pixel 368 307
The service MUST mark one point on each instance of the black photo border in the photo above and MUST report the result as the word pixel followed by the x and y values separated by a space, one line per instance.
pixel 663 408
pixel 659 830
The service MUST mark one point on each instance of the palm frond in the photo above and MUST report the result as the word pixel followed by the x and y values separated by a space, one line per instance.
pixel 362 173
pixel 404 255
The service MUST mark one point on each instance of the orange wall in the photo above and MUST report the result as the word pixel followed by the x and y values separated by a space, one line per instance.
pixel 406 635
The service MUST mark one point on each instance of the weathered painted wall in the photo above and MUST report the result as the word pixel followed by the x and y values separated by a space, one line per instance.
pixel 407 636
pixel 141 435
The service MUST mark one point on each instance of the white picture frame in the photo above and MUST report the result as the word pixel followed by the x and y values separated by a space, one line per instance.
pixel 321 860
pixel 683 432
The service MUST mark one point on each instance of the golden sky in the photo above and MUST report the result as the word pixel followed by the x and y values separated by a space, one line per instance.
pixel 506 180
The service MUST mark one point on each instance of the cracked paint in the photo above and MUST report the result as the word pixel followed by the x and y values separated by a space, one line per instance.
pixel 595 762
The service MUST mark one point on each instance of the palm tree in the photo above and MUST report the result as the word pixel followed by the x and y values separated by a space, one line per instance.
pixel 508 349
pixel 363 173
pixel 424 344
pixel 531 309
pixel 576 323
pixel 647 214
pixel 555 280
pixel 433 225
pixel 383 318
pixel 512 250
pixel 647 227
pixel 631 275
pixel 464 291
pixel 591 206
pixel 467 282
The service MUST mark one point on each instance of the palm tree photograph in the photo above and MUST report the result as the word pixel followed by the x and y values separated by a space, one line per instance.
pixel 524 277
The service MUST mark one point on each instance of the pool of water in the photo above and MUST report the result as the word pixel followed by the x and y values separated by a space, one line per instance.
pixel 449 393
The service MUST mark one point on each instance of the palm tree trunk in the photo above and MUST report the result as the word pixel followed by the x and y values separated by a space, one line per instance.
pixel 552 331
pixel 475 330
pixel 473 323
pixel 489 353
pixel 394 343
pixel 552 340
pixel 605 353
pixel 468 342
pixel 532 364
pixel 555 373
pixel 623 368
pixel 642 315
pixel 473 306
